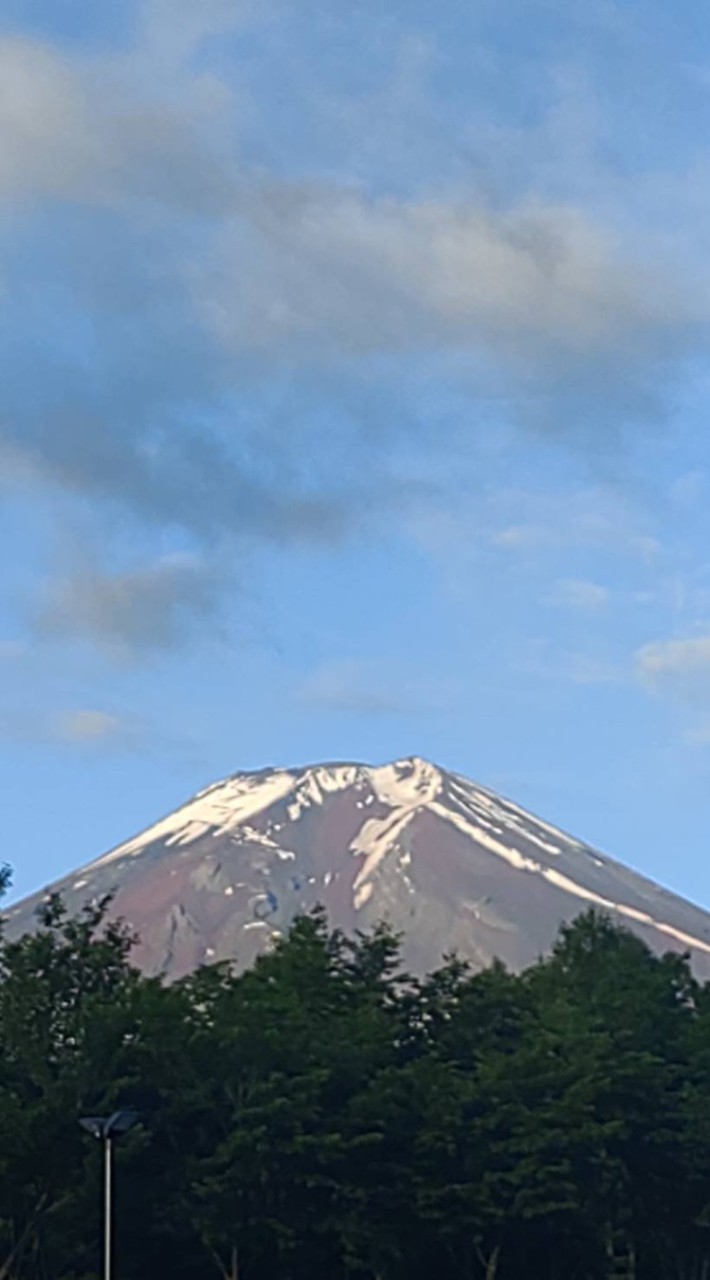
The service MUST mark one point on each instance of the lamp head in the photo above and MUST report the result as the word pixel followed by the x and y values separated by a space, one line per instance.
pixel 113 1126
pixel 94 1125
pixel 121 1121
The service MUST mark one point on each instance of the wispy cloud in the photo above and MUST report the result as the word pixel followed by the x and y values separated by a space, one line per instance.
pixel 211 317
pixel 677 663
pixel 533 285
pixel 134 612
pixel 697 736
pixel 579 595
pixel 185 273
pixel 582 518
pixel 544 532
pixel 582 669
pixel 370 689
pixel 677 673
pixel 85 727
pixel 78 728
pixel 547 661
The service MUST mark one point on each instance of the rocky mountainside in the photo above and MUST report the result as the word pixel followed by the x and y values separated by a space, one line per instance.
pixel 451 865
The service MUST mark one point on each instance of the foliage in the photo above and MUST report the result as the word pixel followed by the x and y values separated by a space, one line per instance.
pixel 325 1116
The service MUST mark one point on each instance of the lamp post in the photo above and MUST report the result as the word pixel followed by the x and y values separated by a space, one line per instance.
pixel 106 1129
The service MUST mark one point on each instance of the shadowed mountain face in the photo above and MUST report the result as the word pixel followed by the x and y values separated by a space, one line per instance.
pixel 450 865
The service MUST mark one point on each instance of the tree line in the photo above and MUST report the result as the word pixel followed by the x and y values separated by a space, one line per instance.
pixel 323 1116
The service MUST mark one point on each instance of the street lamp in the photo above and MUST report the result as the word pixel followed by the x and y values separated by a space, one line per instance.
pixel 107 1129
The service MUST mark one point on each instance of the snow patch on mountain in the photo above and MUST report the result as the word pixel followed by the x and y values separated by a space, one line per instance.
pixel 477 832
pixel 406 782
pixel 222 808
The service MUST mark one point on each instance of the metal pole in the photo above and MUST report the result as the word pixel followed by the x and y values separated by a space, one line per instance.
pixel 108 1205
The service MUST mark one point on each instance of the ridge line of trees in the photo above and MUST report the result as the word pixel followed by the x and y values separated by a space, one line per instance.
pixel 324 1116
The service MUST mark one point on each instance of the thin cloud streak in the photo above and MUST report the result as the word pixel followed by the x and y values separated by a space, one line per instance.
pixel 79 728
pixel 664 663
pixel 579 595
pixel 138 612
pixel 354 687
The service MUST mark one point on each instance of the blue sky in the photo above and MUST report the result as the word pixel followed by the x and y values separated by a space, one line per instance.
pixel 353 401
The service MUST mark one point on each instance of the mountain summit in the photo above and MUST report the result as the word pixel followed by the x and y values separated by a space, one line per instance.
pixel 449 864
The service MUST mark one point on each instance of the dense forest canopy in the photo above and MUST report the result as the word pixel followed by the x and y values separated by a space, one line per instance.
pixel 325 1117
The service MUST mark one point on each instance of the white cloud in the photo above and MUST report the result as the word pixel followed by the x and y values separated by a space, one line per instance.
pixel 89 132
pixel 79 727
pixel 520 537
pixel 40 104
pixel 581 669
pixel 323 271
pixel 678 671
pixel 84 727
pixel 537 527
pixel 529 521
pixel 669 662
pixel 580 595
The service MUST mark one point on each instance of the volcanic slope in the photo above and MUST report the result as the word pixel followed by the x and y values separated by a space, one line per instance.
pixel 449 864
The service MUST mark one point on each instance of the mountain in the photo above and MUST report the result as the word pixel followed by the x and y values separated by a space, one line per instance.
pixel 450 864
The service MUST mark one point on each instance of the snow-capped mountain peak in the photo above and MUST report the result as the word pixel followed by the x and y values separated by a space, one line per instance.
pixel 226 806
pixel 448 863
